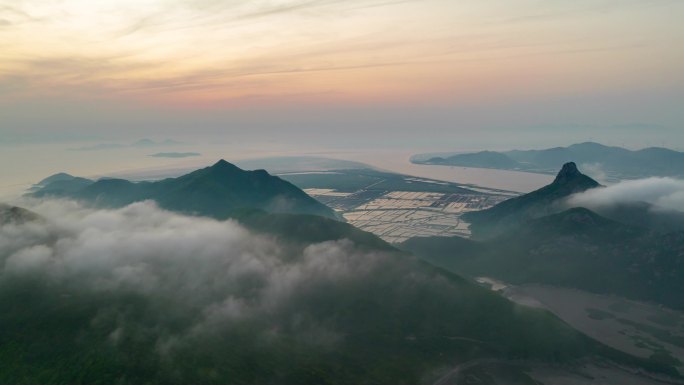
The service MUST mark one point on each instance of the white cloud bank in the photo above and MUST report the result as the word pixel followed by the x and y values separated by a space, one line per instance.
pixel 665 193
pixel 214 272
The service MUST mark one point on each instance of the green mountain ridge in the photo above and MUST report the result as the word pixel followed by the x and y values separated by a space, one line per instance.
pixel 630 250
pixel 394 320
pixel 541 202
pixel 614 161
pixel 575 248
pixel 216 191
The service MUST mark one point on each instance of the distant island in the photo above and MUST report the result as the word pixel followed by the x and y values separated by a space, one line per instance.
pixel 613 163
pixel 175 154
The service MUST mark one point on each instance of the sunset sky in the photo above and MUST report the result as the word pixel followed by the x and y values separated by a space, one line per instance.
pixel 455 69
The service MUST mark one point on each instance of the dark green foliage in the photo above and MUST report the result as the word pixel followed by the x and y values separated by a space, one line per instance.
pixel 393 320
pixel 305 229
pixel 17 215
pixel 644 215
pixel 599 314
pixel 215 191
pixel 510 213
pixel 391 327
pixel 575 248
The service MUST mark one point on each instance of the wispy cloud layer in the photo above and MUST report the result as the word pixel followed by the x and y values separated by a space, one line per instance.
pixel 215 273
pixel 208 51
pixel 665 193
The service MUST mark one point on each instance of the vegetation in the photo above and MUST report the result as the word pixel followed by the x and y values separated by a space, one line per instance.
pixel 306 229
pixel 215 191
pixel 396 320
pixel 515 211
pixel 616 161
pixel 17 215
pixel 576 248
pixel 360 312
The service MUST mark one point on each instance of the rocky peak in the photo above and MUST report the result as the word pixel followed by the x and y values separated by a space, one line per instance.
pixel 569 171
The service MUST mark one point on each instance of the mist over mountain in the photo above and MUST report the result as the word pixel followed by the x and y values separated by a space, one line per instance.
pixel 546 200
pixel 614 162
pixel 389 214
pixel 653 203
pixel 575 248
pixel 576 233
pixel 142 295
pixel 16 215
pixel 218 191
pixel 114 283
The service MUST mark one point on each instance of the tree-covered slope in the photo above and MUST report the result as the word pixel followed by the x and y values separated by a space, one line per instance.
pixel 215 191
pixel 575 248
pixel 143 296
pixel 546 200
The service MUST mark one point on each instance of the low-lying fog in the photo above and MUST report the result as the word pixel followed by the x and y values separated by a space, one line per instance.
pixel 664 193
pixel 207 272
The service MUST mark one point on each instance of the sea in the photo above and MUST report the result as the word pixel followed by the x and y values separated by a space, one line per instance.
pixel 24 164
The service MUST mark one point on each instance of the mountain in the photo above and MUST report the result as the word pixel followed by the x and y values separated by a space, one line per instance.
pixel 644 215
pixel 306 229
pixel 149 296
pixel 62 176
pixel 541 202
pixel 217 305
pixel 217 191
pixel 488 159
pixel 615 162
pixel 16 215
pixel 61 183
pixel 632 250
pixel 575 248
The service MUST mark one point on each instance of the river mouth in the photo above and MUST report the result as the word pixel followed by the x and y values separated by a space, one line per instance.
pixel 640 329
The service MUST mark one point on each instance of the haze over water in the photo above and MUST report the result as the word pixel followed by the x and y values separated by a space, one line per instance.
pixel 33 162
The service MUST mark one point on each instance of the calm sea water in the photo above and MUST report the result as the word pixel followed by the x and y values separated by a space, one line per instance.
pixel 23 165
pixel 399 161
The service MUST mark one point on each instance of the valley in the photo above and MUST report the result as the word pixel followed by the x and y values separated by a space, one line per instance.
pixel 397 207
pixel 396 216
pixel 642 329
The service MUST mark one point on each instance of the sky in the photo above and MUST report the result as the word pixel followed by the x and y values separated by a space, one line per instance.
pixel 442 74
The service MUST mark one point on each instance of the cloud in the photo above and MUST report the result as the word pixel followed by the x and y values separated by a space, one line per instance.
pixel 666 193
pixel 582 8
pixel 218 273
pixel 142 295
pixel 175 154
pixel 596 171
